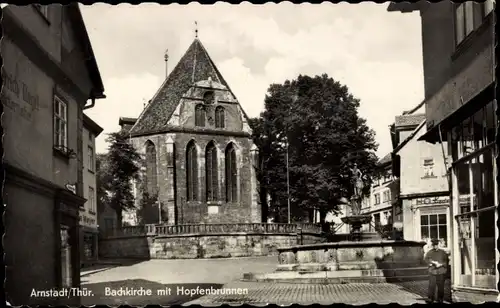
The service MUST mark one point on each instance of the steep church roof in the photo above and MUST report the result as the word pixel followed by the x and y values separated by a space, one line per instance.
pixel 196 65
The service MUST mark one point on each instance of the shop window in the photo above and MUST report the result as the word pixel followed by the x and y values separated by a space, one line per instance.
pixel 476 220
pixel 434 226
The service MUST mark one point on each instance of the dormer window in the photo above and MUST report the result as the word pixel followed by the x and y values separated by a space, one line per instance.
pixel 209 97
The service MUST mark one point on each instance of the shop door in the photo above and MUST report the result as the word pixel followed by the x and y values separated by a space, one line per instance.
pixel 66 268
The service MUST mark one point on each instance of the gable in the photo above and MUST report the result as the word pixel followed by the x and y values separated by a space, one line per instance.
pixel 413 136
pixel 195 71
pixel 77 56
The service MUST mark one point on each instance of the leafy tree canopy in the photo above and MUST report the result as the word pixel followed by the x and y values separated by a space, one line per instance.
pixel 318 119
pixel 123 165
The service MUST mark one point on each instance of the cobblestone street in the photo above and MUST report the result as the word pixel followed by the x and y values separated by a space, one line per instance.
pixel 226 273
pixel 285 293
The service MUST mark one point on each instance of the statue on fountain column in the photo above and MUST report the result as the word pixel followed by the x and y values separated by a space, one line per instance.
pixel 357 178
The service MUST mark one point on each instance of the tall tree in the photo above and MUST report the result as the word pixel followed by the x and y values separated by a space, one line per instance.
pixel 315 123
pixel 147 212
pixel 103 182
pixel 124 164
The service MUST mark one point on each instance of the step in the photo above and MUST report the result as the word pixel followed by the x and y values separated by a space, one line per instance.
pixel 337 280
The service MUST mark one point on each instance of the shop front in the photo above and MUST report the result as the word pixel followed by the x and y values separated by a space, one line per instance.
pixel 427 218
pixel 474 203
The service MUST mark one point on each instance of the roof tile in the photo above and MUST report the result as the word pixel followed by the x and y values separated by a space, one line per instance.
pixel 409 119
pixel 194 66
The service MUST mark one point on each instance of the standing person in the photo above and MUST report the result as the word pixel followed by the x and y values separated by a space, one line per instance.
pixel 437 259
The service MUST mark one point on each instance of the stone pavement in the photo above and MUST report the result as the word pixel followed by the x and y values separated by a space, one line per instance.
pixel 225 274
pixel 256 293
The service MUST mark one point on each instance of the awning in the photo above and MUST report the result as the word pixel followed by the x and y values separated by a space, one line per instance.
pixel 464 111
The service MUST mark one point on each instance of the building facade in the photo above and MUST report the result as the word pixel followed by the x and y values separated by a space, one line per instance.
pixel 383 193
pixel 424 187
pixel 49 74
pixel 88 214
pixel 196 142
pixel 459 61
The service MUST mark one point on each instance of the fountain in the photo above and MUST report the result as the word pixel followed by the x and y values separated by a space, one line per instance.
pixel 365 257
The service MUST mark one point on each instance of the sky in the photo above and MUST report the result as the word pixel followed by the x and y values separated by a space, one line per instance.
pixel 375 53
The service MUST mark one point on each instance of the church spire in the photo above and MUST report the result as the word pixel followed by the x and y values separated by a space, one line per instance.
pixel 195 29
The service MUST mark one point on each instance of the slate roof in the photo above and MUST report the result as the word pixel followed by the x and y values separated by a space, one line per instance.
pixel 409 119
pixel 385 160
pixel 126 120
pixel 194 66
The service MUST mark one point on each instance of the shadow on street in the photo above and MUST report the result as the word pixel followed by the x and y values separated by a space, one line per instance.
pixel 420 288
pixel 161 294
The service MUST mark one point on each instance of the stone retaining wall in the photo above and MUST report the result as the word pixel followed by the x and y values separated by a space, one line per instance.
pixel 191 246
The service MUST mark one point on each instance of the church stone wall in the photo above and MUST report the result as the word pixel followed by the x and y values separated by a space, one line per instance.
pixel 178 209
pixel 197 211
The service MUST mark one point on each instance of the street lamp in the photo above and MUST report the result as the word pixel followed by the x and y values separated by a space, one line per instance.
pixel 294 99
pixel 159 212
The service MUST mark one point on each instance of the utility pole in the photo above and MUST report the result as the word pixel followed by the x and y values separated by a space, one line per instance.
pixel 288 181
pixel 294 99
pixel 159 212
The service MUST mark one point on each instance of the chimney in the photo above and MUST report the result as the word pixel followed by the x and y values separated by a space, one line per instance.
pixel 166 63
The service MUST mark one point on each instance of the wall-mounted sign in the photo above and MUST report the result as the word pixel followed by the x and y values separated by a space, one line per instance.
pixel 440 200
pixel 19 97
pixel 71 187
pixel 432 200
pixel 87 221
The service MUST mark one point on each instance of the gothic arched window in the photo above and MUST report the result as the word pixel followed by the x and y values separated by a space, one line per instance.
pixel 151 170
pixel 209 97
pixel 211 172
pixel 231 174
pixel 199 115
pixel 219 117
pixel 191 172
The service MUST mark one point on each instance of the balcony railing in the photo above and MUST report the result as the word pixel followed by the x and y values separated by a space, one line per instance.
pixel 275 228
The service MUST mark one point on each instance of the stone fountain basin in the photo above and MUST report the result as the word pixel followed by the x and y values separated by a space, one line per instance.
pixel 357 219
pixel 341 262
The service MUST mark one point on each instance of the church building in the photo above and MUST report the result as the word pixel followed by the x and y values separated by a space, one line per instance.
pixel 196 142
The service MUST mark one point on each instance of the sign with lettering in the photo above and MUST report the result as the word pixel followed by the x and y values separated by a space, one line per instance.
pixel 433 200
pixel 18 97
pixel 440 200
pixel 87 221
